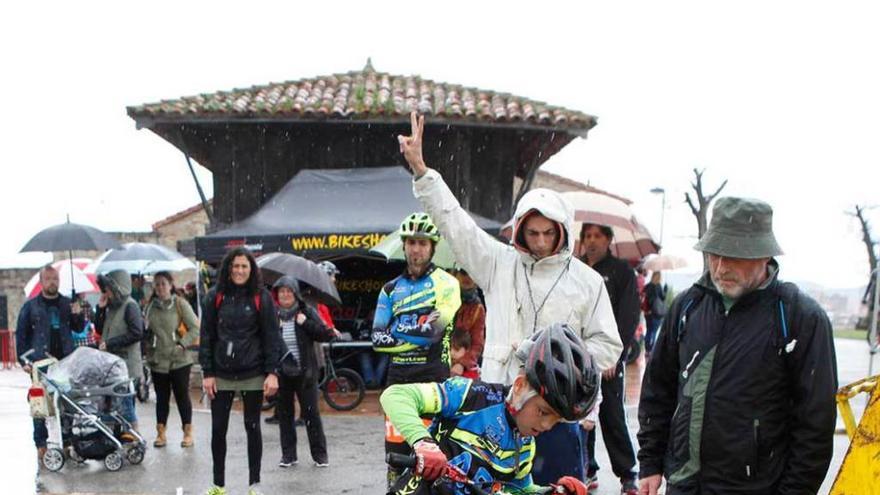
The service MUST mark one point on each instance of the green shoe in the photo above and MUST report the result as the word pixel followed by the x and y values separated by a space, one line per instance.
pixel 255 489
pixel 216 490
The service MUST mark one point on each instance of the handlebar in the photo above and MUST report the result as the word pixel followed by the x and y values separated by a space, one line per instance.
pixel 453 474
pixel 400 460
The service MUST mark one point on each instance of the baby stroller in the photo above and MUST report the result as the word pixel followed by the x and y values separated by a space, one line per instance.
pixel 80 397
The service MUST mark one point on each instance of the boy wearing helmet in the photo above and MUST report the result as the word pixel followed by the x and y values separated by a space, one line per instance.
pixel 414 318
pixel 487 430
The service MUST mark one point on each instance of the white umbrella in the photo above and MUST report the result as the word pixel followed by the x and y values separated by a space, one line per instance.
pixel 392 249
pixel 142 258
pixel 663 262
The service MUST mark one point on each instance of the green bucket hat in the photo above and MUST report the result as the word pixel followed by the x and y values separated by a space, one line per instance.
pixel 740 228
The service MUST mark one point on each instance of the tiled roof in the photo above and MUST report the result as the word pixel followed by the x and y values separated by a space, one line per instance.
pixel 180 215
pixel 367 95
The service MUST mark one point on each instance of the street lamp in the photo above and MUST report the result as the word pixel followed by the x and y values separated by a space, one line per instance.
pixel 660 190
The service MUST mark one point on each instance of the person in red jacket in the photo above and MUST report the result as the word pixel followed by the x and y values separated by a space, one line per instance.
pixel 470 318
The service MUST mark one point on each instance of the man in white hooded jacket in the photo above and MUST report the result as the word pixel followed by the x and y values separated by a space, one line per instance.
pixel 529 285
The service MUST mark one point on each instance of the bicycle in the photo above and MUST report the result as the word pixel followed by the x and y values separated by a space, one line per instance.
pixel 342 388
pixel 455 474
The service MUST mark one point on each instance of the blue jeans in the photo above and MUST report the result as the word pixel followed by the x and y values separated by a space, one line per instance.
pixel 126 409
pixel 373 366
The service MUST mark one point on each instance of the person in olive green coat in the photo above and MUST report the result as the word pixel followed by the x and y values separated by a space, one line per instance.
pixel 121 325
pixel 172 329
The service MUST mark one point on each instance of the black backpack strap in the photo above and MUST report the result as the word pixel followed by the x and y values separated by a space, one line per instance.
pixel 786 306
pixel 690 299
pixel 786 315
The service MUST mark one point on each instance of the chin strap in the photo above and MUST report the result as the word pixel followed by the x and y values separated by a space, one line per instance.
pixel 514 405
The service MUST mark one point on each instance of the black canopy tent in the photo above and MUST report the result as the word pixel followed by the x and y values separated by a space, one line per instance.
pixel 325 213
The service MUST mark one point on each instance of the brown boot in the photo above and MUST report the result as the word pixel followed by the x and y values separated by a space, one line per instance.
pixel 187 436
pixel 160 436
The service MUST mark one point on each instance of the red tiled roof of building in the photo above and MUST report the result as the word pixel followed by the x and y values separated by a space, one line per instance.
pixel 367 95
pixel 179 215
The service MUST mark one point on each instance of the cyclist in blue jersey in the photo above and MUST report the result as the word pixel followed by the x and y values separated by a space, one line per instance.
pixel 414 318
pixel 487 430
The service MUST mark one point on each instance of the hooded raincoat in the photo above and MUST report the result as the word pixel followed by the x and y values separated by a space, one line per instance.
pixel 121 323
pixel 524 294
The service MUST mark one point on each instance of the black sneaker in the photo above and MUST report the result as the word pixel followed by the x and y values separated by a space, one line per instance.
pixel 272 420
pixel 286 462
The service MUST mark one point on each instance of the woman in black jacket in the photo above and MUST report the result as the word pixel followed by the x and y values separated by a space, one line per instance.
pixel 239 352
pixel 300 328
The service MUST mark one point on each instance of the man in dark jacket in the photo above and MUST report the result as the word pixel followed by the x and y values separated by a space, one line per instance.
pixel 620 280
pixel 44 326
pixel 738 396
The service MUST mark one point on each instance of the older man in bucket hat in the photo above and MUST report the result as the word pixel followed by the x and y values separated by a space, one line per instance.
pixel 738 396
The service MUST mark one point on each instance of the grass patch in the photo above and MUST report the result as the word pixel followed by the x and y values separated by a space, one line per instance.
pixel 849 333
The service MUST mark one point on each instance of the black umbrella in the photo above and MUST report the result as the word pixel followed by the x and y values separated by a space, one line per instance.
pixel 276 265
pixel 68 237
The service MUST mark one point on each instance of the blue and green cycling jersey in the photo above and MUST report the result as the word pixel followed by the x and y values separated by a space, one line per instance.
pixel 413 323
pixel 473 428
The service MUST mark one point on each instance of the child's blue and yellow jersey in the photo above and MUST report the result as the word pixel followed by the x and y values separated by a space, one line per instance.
pixel 473 428
pixel 419 351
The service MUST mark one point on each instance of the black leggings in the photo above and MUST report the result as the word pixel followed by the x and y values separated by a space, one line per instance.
pixel 176 381
pixel 220 407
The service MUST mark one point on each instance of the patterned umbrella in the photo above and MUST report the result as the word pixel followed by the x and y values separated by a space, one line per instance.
pixel 72 278
pixel 632 241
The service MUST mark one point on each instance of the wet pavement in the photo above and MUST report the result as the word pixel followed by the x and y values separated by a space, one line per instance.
pixel 354 443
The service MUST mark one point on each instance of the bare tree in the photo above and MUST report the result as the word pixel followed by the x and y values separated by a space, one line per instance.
pixel 701 209
pixel 859 213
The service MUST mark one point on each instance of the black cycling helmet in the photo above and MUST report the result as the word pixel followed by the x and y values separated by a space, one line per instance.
pixel 561 371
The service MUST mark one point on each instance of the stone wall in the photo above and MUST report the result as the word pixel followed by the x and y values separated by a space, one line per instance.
pixel 183 229
pixel 12 282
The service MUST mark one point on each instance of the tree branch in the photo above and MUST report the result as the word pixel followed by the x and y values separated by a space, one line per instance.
pixel 687 198
pixel 712 196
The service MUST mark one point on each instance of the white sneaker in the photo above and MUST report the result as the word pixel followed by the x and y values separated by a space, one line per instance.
pixel 322 464
pixel 286 463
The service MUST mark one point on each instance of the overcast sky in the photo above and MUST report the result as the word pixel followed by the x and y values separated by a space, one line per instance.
pixel 780 98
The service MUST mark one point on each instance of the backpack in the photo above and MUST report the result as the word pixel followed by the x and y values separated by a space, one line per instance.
pixel 787 295
pixel 218 300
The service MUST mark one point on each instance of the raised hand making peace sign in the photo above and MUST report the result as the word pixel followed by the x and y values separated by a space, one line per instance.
pixel 411 146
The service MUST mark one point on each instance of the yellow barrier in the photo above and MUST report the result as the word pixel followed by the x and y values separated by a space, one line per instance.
pixel 860 472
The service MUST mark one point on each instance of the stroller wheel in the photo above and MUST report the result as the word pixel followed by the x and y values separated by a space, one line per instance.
pixel 53 459
pixel 135 455
pixel 113 461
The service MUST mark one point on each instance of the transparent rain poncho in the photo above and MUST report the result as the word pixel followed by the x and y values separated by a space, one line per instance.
pixel 88 368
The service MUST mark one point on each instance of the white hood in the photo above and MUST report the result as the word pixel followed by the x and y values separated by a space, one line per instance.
pixel 555 207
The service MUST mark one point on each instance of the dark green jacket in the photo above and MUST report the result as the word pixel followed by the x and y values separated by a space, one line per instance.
pixel 165 349
pixel 121 324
